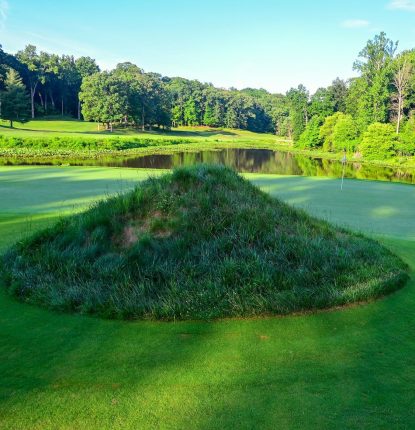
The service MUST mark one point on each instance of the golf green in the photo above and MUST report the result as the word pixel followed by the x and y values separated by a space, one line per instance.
pixel 348 368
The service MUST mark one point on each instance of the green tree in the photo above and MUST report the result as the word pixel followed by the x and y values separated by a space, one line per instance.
pixel 14 100
pixel 190 113
pixel 48 78
pixel 298 102
pixel 338 91
pixel 30 58
pixel 375 65
pixel 402 76
pixel 379 142
pixel 280 115
pixel 103 98
pixel 345 134
pixel 406 142
pixel 310 138
pixel 85 66
pixel 322 103
pixel 209 117
pixel 68 78
pixel 327 130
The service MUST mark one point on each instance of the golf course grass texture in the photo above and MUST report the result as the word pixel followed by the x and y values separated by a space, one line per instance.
pixel 198 243
pixel 348 368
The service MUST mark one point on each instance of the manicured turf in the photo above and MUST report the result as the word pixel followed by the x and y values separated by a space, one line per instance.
pixel 74 128
pixel 197 244
pixel 353 368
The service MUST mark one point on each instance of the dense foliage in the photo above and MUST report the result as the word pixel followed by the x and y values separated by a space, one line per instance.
pixel 129 96
pixel 334 119
pixel 14 99
pixel 376 114
pixel 201 242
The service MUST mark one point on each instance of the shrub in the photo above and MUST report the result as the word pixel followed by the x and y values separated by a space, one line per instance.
pixel 406 141
pixel 84 144
pixel 327 130
pixel 379 142
pixel 345 134
pixel 310 138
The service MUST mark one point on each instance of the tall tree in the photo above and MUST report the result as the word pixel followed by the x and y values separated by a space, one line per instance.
pixel 339 90
pixel 375 65
pixel 321 103
pixel 30 58
pixel 103 98
pixel 14 100
pixel 298 101
pixel 48 77
pixel 401 81
pixel 85 66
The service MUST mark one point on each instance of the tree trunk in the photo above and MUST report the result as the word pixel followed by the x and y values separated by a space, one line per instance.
pixel 46 102
pixel 11 123
pixel 52 99
pixel 400 105
pixel 41 101
pixel 32 99
pixel 79 109
pixel 111 126
pixel 62 105
pixel 398 123
pixel 142 119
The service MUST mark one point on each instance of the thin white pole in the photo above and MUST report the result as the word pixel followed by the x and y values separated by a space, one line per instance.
pixel 344 161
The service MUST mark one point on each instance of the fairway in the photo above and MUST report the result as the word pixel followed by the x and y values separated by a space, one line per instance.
pixel 353 367
pixel 67 128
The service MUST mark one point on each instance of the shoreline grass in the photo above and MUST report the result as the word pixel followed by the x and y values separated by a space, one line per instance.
pixel 51 138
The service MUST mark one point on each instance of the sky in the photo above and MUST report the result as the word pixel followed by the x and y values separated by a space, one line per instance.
pixel 271 44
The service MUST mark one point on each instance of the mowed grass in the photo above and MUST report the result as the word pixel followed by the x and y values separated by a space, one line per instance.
pixel 353 368
pixel 74 128
pixel 198 243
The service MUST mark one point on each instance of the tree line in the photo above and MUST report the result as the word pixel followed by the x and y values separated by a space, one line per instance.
pixel 371 114
pixel 376 117
pixel 48 84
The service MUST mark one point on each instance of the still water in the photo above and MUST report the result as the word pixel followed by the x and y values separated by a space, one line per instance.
pixel 242 160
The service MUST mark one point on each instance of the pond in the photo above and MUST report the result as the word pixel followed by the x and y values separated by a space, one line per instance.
pixel 243 160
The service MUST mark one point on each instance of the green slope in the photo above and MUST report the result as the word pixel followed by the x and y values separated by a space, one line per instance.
pixel 353 368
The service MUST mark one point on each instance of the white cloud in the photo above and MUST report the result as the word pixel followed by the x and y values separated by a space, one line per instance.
pixel 408 5
pixel 355 23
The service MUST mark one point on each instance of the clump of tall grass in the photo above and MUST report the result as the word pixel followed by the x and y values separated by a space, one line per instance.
pixel 57 144
pixel 198 243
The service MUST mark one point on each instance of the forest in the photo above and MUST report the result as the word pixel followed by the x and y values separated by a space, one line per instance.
pixel 369 115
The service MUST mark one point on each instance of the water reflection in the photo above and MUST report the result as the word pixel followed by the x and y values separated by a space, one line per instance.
pixel 243 160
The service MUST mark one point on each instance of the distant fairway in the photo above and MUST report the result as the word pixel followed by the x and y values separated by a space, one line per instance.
pixel 356 365
pixel 71 127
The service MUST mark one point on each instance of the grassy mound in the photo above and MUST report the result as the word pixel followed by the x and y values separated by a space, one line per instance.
pixel 198 243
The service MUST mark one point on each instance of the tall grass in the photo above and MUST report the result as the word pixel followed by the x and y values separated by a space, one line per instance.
pixel 201 242
pixel 82 143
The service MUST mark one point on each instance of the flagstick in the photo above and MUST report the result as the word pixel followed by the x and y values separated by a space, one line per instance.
pixel 344 161
pixel 344 166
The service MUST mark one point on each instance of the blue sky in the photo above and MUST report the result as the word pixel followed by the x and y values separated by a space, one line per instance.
pixel 271 44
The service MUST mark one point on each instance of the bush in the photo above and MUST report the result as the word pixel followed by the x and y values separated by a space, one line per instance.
pixel 327 130
pixel 56 144
pixel 379 142
pixel 406 142
pixel 310 138
pixel 345 134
